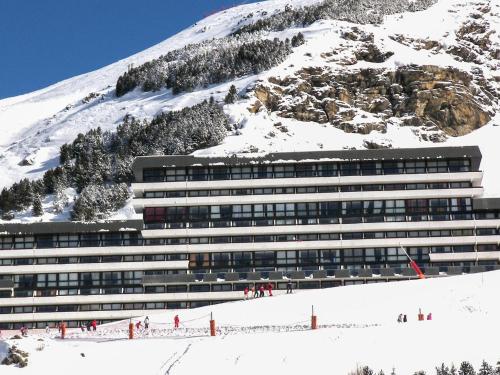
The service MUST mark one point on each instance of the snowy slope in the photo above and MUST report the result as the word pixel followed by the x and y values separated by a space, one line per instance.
pixel 35 125
pixel 464 327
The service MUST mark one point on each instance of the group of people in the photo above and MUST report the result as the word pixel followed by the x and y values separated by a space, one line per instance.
pixel 402 318
pixel 259 290
pixel 90 326
pixel 138 324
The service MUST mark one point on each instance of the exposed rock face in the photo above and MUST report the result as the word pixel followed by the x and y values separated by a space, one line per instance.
pixel 370 52
pixel 474 39
pixel 16 357
pixel 445 99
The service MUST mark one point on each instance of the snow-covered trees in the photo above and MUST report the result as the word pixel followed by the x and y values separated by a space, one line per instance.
pixel 97 201
pixel 97 162
pixel 231 96
pixel 214 61
pixel 358 11
pixel 466 369
pixel 37 206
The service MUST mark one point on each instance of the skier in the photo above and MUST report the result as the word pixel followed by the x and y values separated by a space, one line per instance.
pixel 138 325
pixel 429 316
pixel 82 327
pixel 245 292
pixel 47 329
pixel 400 318
pixel 146 323
pixel 270 289
pixel 24 331
pixel 289 287
pixel 94 325
pixel 254 291
pixel 261 290
pixel 176 321
pixel 405 319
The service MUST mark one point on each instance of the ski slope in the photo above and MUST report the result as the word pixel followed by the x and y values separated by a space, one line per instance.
pixel 465 325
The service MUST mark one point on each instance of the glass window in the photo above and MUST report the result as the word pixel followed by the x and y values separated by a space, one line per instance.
pixel 393 167
pixel 176 174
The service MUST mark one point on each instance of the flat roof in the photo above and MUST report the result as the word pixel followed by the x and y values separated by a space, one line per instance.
pixel 471 152
pixel 71 227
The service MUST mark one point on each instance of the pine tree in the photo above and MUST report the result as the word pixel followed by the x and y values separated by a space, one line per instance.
pixel 231 96
pixel 443 370
pixel 453 369
pixel 486 369
pixel 466 369
pixel 37 206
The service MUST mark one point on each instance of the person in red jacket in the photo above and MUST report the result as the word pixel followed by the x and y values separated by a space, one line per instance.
pixel 270 289
pixel 245 292
pixel 176 321
pixel 94 325
pixel 138 325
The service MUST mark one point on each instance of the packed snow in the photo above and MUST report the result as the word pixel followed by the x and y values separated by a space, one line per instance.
pixel 357 326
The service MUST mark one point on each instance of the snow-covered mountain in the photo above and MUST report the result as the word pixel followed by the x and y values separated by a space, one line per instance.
pixel 357 327
pixel 374 77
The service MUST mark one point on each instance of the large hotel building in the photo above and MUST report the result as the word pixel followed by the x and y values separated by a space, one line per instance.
pixel 212 226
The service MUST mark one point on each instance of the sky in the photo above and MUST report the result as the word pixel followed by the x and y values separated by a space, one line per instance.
pixel 45 41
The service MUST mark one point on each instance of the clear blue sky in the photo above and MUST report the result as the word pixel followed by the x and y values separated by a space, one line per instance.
pixel 45 41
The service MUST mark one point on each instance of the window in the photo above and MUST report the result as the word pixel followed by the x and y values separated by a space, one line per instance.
pixel 196 213
pixel 263 172
pixel 241 173
pixel 220 173
pixel 264 258
pixel 393 167
pixel 198 261
pixel 45 241
pixel 286 257
pixel 305 170
pixel 437 166
pixel 352 208
pixel 111 239
pixel 327 170
pixel 197 174
pixel 349 169
pixel 282 171
pixel 242 211
pixel 415 167
pixel 308 257
pixel 330 257
pixel 373 207
pixel 176 174
pixel 154 215
pixel 371 168
pixel 221 260
pixel 459 165
pixel 438 206
pixel 394 207
pixel 153 175
pixel 198 193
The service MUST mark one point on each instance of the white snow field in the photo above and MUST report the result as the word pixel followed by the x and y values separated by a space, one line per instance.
pixel 465 326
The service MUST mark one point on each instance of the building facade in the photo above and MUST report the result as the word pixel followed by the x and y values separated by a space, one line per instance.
pixel 212 226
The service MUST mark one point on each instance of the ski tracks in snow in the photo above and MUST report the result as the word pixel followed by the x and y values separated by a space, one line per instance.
pixel 172 361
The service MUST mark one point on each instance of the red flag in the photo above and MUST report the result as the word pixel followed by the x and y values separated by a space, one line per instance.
pixel 417 269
